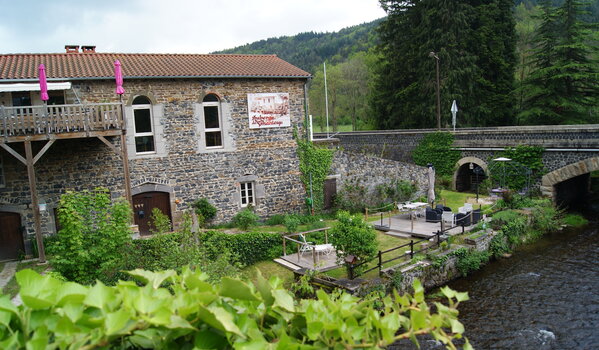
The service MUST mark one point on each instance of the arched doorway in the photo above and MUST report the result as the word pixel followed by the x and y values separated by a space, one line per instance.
pixel 471 171
pixel 144 203
pixel 11 237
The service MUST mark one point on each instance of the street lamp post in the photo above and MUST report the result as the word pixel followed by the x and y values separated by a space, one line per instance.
pixel 478 171
pixel 438 88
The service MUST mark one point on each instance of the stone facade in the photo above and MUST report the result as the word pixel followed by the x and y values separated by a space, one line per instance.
pixel 180 166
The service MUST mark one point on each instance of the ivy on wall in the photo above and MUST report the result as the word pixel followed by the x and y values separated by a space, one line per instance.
pixel 529 156
pixel 435 148
pixel 315 162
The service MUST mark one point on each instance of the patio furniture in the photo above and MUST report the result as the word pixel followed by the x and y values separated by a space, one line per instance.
pixel 477 215
pixel 433 215
pixel 316 248
pixel 462 219
pixel 448 217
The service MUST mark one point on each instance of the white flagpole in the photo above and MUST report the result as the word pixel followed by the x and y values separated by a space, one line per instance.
pixel 326 97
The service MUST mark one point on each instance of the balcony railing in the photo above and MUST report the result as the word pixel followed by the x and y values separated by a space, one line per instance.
pixel 56 119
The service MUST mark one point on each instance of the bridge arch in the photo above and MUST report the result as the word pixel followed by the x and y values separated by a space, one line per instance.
pixel 463 169
pixel 550 180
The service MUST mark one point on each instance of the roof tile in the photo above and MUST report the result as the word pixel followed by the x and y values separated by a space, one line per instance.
pixel 100 65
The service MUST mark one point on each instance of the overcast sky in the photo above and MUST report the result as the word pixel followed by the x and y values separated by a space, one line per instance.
pixel 169 26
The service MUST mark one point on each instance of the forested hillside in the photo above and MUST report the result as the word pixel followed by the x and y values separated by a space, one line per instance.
pixel 308 50
pixel 505 62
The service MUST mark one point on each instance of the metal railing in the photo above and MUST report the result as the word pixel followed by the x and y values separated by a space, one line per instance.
pixel 55 119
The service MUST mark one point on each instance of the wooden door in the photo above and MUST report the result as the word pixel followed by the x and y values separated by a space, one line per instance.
pixel 11 237
pixel 143 204
pixel 330 190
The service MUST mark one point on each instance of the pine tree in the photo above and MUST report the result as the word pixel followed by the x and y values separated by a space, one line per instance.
pixel 564 85
pixel 474 41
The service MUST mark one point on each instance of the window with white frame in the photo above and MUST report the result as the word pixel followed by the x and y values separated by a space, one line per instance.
pixel 247 193
pixel 213 132
pixel 2 182
pixel 143 130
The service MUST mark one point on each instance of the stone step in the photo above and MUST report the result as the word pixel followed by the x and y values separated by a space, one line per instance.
pixel 287 264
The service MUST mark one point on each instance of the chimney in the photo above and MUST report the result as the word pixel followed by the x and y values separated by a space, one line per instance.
pixel 72 48
pixel 88 49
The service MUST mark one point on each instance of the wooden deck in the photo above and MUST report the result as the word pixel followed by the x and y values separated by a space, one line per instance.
pixel 41 122
pixel 402 226
pixel 318 262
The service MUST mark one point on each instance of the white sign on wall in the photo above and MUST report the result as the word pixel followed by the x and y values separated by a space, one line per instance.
pixel 269 110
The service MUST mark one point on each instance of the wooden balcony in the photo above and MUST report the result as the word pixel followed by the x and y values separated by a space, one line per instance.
pixel 35 123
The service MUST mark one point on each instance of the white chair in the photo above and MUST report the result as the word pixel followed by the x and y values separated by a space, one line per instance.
pixel 317 248
pixel 448 217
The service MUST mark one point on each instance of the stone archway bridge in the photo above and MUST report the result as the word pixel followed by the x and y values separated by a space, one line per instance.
pixel 570 150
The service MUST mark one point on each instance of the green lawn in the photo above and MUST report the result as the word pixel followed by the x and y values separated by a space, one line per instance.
pixel 12 288
pixel 454 200
pixel 340 128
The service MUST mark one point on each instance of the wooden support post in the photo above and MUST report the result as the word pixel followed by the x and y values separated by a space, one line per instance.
pixel 34 202
pixel 380 262
pixel 366 214
pixel 314 256
pixel 284 247
pixel 125 157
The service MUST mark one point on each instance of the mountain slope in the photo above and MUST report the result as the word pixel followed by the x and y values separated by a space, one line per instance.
pixel 308 50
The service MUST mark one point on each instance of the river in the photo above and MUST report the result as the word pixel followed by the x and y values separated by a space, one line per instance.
pixel 546 296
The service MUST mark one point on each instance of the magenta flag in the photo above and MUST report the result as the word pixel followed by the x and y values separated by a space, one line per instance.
pixel 118 76
pixel 43 83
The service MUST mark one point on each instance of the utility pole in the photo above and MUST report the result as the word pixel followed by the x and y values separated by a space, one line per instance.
pixel 438 88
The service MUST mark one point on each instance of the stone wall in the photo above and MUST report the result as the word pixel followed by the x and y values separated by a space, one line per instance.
pixel 372 171
pixel 267 155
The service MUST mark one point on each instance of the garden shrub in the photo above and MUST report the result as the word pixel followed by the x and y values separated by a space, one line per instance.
pixel 94 231
pixel 277 219
pixel 350 235
pixel 499 245
pixel 159 222
pixel 503 217
pixel 470 260
pixel 204 210
pixel 514 230
pixel 248 248
pixel 291 223
pixel 246 219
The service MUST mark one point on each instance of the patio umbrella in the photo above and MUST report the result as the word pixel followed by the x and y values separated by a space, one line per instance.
pixel 118 75
pixel 431 184
pixel 43 83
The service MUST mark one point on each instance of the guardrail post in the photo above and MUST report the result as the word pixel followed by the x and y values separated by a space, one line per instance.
pixel 314 255
pixel 411 249
pixel 438 238
pixel 381 219
pixel 350 268
pixel 380 262
pixel 284 247
pixel 366 214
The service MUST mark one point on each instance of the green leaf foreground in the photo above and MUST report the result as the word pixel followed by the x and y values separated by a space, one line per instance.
pixel 168 310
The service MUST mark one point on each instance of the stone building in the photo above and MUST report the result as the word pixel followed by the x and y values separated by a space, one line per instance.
pixel 193 126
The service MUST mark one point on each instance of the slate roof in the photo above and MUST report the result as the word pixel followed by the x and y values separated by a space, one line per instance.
pixel 74 66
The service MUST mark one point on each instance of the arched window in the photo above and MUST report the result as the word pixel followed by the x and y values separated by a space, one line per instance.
pixel 143 123
pixel 213 133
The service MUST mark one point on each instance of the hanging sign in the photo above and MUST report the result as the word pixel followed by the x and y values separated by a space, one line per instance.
pixel 268 110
